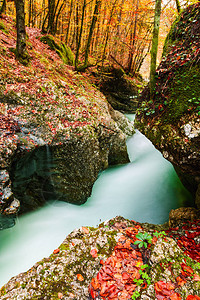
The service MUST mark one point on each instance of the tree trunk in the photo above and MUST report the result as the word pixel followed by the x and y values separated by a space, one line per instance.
pixel 69 22
pixel 80 35
pixel 133 39
pixel 21 53
pixel 178 6
pixel 94 20
pixel 154 47
pixel 51 13
pixel 30 13
pixel 107 32
pixel 3 8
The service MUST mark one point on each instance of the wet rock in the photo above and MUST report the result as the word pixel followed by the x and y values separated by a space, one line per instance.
pixel 119 90
pixel 13 208
pixel 67 170
pixel 183 214
pixel 8 204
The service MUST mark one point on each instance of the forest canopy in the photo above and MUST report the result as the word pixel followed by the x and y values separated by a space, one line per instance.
pixel 99 31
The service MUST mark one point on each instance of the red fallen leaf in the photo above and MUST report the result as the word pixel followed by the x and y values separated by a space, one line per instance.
pixel 56 251
pixel 135 273
pixel 160 297
pixel 107 270
pixel 93 294
pixel 118 276
pixel 196 277
pixel 159 286
pixel 93 252
pixel 101 262
pixel 175 296
pixel 154 240
pixel 104 289
pixel 187 269
pixel 85 230
pixel 111 261
pixel 180 281
pixel 193 297
pixel 60 295
pixel 80 277
pixel 144 285
pixel 125 276
pixel 170 286
pixel 130 288
pixel 95 283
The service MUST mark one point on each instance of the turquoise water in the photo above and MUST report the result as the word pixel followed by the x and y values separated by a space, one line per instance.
pixel 144 190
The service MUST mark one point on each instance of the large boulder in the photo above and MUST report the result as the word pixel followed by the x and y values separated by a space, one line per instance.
pixel 56 129
pixel 171 120
pixel 105 263
pixel 40 163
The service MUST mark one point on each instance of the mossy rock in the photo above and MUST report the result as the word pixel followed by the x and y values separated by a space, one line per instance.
pixel 61 49
pixel 170 119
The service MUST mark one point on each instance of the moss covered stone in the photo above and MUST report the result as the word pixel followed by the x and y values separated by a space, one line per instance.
pixel 62 50
pixel 171 120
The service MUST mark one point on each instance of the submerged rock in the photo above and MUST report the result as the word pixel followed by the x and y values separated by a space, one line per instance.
pixel 171 119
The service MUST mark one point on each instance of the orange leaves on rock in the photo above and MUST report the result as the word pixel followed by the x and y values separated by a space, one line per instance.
pixel 85 230
pixel 125 276
pixel 161 285
pixel 80 277
pixel 186 270
pixel 115 280
pixel 180 281
pixel 196 277
pixel 60 295
pixel 56 251
pixel 93 252
pixel 95 283
pixel 193 297
pixel 185 239
pixel 165 290
pixel 175 296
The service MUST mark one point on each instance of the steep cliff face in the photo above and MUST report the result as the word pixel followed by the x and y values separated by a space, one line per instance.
pixel 171 120
pixel 57 130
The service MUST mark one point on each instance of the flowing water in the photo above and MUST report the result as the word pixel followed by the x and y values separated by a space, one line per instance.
pixel 144 190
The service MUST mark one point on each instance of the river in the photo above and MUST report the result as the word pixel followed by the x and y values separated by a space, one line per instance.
pixel 144 190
